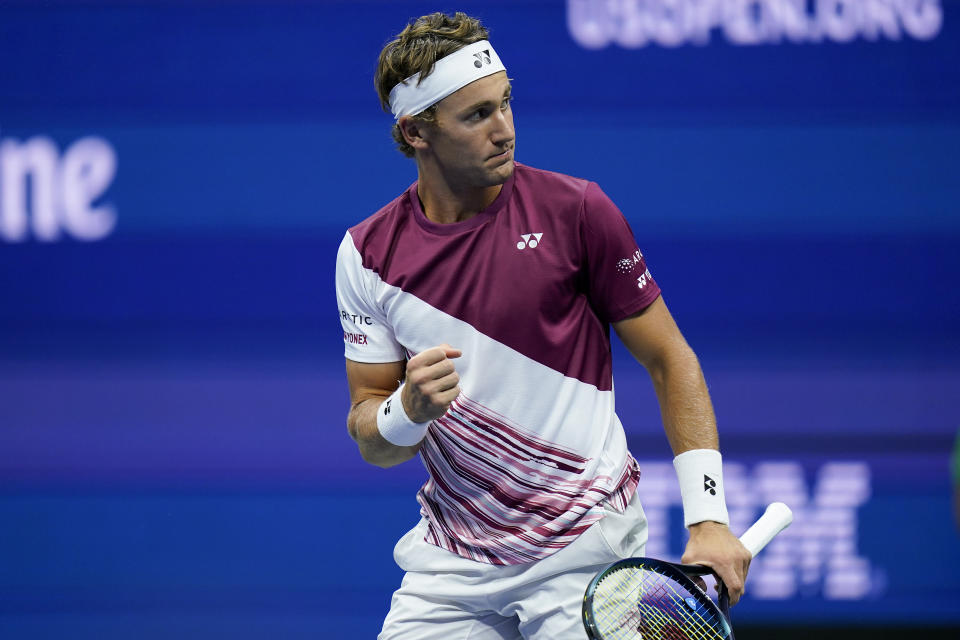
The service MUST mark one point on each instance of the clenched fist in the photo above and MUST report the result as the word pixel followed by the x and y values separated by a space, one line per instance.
pixel 432 383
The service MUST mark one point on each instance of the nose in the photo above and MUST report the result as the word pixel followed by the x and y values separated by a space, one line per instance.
pixel 502 132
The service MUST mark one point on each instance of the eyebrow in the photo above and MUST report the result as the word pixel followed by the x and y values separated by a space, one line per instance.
pixel 484 103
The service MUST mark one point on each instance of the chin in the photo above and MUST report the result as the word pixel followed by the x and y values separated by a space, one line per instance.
pixel 502 173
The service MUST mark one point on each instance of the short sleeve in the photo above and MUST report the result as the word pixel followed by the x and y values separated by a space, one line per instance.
pixel 367 337
pixel 618 281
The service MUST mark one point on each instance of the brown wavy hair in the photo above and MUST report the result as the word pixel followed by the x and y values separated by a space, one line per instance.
pixel 415 50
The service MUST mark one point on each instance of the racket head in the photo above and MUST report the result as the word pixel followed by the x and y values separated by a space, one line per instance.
pixel 649 599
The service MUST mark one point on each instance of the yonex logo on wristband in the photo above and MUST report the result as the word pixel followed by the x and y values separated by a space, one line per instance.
pixel 709 485
pixel 396 427
pixel 700 472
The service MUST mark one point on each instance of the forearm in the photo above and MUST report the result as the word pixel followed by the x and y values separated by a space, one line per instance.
pixel 429 383
pixel 654 340
pixel 362 425
pixel 685 406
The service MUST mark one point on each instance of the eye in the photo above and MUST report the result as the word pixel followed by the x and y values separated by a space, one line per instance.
pixel 506 103
pixel 479 114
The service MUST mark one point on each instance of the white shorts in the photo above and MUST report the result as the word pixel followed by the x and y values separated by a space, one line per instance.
pixel 446 597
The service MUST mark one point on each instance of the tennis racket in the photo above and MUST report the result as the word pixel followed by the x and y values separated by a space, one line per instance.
pixel 648 599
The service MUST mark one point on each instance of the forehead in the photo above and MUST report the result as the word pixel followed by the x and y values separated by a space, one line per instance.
pixel 489 88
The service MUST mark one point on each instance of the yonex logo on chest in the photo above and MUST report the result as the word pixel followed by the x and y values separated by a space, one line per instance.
pixel 531 240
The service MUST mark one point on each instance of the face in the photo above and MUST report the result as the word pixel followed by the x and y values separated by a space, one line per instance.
pixel 472 139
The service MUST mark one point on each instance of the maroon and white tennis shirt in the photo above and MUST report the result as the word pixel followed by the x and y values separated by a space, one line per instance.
pixel 524 459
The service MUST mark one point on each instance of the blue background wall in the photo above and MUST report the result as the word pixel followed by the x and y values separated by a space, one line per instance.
pixel 173 451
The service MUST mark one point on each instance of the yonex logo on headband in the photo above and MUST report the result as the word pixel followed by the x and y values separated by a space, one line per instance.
pixel 450 73
pixel 482 58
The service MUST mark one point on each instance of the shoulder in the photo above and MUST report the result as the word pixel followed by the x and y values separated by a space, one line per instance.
pixel 375 235
pixel 554 187
pixel 559 192
pixel 386 217
pixel 564 196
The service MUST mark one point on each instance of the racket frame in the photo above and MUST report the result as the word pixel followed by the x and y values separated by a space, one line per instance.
pixel 679 573
pixel 776 517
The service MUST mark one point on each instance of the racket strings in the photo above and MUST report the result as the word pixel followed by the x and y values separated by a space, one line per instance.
pixel 634 603
pixel 669 615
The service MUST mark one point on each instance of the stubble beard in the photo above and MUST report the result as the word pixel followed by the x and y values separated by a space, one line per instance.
pixel 501 173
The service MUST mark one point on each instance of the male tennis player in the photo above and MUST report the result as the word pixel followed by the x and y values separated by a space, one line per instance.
pixel 476 310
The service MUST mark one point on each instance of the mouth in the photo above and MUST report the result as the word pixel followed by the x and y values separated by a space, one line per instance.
pixel 503 155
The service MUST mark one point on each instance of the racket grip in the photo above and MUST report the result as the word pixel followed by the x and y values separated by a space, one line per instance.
pixel 775 519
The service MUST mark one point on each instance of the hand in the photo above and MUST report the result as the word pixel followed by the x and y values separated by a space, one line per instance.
pixel 713 545
pixel 432 383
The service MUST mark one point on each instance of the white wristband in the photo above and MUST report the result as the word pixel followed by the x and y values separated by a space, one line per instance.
pixel 700 472
pixel 394 424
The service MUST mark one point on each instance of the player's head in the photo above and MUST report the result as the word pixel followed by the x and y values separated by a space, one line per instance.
pixel 430 76
pixel 416 50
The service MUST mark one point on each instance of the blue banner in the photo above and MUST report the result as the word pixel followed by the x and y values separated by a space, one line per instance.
pixel 175 178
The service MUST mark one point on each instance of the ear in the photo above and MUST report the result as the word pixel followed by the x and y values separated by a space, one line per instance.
pixel 415 132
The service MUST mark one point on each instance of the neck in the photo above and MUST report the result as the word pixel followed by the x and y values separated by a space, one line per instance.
pixel 445 202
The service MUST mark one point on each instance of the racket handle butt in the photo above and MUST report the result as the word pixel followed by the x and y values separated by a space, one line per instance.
pixel 775 519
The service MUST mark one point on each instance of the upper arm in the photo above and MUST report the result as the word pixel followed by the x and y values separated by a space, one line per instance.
pixel 368 336
pixel 373 380
pixel 616 279
pixel 651 335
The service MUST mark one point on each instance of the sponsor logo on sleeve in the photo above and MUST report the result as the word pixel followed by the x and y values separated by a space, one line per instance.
pixel 355 338
pixel 627 265
pixel 355 318
pixel 644 279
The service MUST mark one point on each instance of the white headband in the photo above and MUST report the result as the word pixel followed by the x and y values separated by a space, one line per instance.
pixel 450 73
